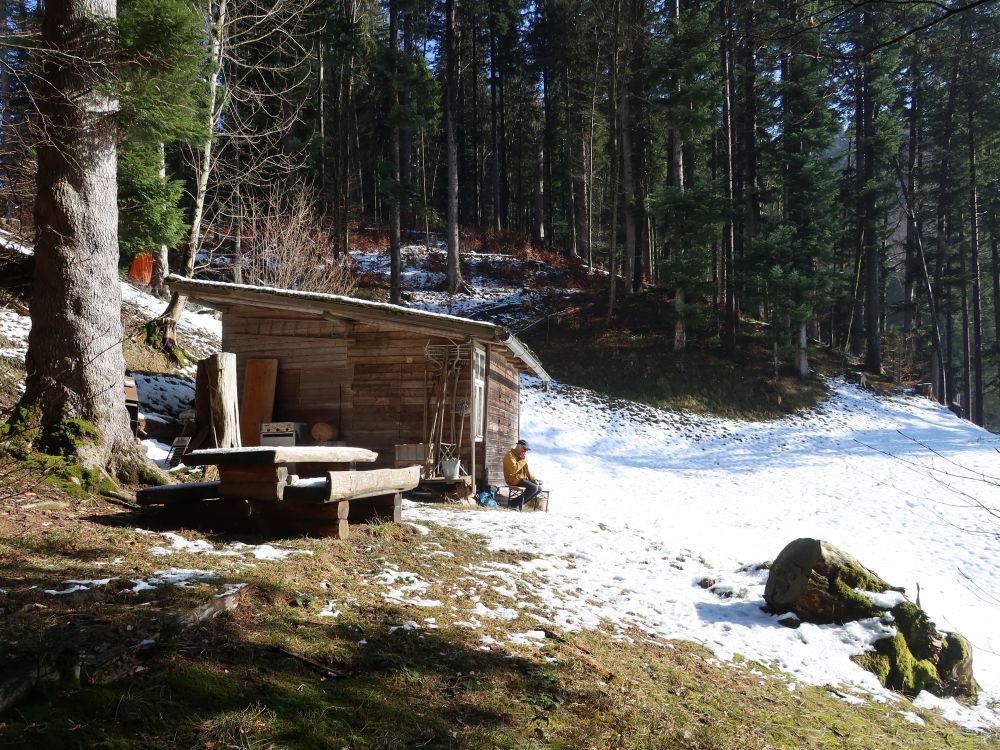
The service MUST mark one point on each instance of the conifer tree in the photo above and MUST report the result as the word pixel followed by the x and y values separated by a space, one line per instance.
pixel 163 100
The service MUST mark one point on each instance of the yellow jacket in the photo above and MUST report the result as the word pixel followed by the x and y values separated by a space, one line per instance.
pixel 514 469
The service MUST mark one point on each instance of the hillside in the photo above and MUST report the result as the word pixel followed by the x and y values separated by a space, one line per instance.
pixel 627 616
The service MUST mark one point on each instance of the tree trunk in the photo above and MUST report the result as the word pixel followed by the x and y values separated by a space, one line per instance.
pixel 406 132
pixel 220 375
pixel 75 365
pixel 978 407
pixel 614 158
pixel 870 244
pixel 550 137
pixel 963 273
pixel 939 375
pixel 910 268
pixel 451 43
pixel 628 189
pixel 942 230
pixel 995 253
pixel 166 325
pixel 395 269
pixel 729 316
pixel 802 353
pixel 161 259
pixel 321 121
pixel 538 213
pixel 581 198
pixel 495 129
pixel 344 114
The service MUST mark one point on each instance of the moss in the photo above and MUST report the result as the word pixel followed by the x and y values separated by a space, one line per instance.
pixel 139 472
pixel 855 606
pixel 925 676
pixel 859 578
pixel 20 431
pixel 916 627
pixel 876 663
pixel 78 480
pixel 156 336
pixel 24 432
pixel 65 438
pixel 906 673
pixel 956 648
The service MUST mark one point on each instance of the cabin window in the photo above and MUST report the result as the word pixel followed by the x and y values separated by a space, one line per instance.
pixel 479 391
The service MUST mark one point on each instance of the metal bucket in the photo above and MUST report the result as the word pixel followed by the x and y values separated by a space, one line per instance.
pixel 449 468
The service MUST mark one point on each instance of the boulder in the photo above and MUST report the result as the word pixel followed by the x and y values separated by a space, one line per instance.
pixel 818 582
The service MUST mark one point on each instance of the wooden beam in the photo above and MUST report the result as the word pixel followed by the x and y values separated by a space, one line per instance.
pixel 378 508
pixel 191 492
pixel 280 454
pixel 353 485
pixel 273 491
pixel 269 473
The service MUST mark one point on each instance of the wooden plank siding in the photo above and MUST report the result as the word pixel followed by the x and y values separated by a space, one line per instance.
pixel 502 426
pixel 373 382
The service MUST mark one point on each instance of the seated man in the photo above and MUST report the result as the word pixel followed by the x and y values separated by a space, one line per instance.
pixel 517 474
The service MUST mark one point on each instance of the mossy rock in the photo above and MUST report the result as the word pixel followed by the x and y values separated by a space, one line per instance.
pixel 955 668
pixel 905 673
pixel 922 637
pixel 819 583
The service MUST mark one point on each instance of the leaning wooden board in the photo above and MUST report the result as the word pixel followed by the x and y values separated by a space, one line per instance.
pixel 257 404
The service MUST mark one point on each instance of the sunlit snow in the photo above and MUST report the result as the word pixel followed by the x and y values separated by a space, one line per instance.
pixel 648 503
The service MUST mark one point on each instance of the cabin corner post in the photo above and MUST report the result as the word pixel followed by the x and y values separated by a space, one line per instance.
pixel 477 350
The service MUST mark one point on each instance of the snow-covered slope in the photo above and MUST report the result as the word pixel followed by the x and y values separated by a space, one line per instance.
pixel 647 504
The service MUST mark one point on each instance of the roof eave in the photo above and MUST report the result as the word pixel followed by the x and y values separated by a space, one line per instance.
pixel 220 295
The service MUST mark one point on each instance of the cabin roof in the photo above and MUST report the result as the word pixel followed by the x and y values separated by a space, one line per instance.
pixel 220 295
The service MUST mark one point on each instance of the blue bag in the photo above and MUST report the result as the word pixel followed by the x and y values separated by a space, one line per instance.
pixel 488 497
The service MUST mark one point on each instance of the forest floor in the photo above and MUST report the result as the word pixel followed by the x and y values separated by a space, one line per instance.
pixel 465 628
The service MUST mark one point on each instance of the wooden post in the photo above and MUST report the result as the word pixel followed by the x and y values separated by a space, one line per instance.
pixel 220 371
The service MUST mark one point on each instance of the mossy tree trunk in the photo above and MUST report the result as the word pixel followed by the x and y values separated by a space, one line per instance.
pixel 75 364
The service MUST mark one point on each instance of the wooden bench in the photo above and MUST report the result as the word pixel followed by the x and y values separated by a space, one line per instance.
pixel 514 493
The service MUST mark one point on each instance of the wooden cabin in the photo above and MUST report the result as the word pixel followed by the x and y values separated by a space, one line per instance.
pixel 409 384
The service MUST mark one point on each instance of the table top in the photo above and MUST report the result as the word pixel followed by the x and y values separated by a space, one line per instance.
pixel 276 455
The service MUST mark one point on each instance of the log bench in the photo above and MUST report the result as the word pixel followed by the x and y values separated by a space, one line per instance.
pixel 258 480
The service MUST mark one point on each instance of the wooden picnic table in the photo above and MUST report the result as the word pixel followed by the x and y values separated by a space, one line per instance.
pixel 281 502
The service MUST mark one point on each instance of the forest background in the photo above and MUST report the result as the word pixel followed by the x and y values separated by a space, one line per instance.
pixel 825 172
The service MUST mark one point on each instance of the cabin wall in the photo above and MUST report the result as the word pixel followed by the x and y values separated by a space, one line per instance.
pixel 502 427
pixel 396 391
pixel 315 377
pixel 375 384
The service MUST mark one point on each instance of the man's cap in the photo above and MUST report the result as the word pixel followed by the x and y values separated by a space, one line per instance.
pixel 524 443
